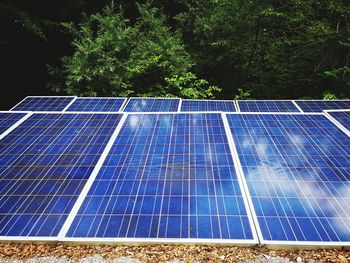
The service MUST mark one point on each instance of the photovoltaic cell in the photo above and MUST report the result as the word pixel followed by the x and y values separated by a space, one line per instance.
pixel 7 119
pixel 297 168
pixel 343 117
pixel 43 104
pixel 208 105
pixel 96 104
pixel 44 164
pixel 152 105
pixel 320 105
pixel 166 176
pixel 267 106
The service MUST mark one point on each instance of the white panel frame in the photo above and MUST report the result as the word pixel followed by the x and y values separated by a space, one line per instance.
pixel 12 109
pixel 91 179
pixel 149 241
pixel 275 244
pixel 238 109
pixel 98 98
pixel 16 124
pixel 241 180
pixel 335 121
pixel 296 105
pixel 69 104
pixel 180 105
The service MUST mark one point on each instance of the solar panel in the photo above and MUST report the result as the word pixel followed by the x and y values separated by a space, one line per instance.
pixel 7 119
pixel 267 106
pixel 43 104
pixel 152 105
pixel 208 105
pixel 297 168
pixel 96 104
pixel 44 164
pixel 166 176
pixel 343 117
pixel 320 105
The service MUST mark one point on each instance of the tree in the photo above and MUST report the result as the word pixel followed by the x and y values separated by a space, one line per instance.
pixel 114 57
pixel 283 49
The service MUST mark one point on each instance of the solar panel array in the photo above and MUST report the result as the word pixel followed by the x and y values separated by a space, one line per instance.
pixel 43 104
pixel 165 173
pixel 96 105
pixel 208 105
pixel 267 106
pixel 166 176
pixel 321 105
pixel 45 163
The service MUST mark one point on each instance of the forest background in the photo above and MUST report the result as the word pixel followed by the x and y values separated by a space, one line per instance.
pixel 225 49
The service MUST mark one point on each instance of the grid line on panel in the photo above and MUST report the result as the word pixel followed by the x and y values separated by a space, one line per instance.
pixel 343 117
pixel 320 105
pixel 208 105
pixel 267 106
pixel 96 105
pixel 166 176
pixel 297 106
pixel 46 161
pixel 7 119
pixel 69 104
pixel 43 104
pixel 296 168
pixel 91 179
pixel 152 105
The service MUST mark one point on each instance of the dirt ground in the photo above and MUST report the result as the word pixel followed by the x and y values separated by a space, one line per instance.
pixel 165 253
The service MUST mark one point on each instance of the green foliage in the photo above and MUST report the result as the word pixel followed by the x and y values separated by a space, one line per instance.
pixel 329 96
pixel 271 49
pixel 275 49
pixel 113 57
pixel 189 86
pixel 242 94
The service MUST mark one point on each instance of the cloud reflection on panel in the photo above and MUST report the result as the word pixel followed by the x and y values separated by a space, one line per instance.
pixel 167 176
pixel 297 171
pixel 191 155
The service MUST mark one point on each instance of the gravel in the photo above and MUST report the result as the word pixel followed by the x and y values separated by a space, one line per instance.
pixel 99 259
pixel 65 253
pixel 268 260
pixel 94 259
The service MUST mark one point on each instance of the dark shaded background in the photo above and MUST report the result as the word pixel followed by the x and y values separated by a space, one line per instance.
pixel 24 55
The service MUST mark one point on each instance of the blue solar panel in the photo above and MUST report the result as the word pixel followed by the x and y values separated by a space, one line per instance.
pixel 43 104
pixel 267 106
pixel 297 168
pixel 7 119
pixel 96 104
pixel 166 176
pixel 44 164
pixel 152 105
pixel 343 117
pixel 320 105
pixel 208 105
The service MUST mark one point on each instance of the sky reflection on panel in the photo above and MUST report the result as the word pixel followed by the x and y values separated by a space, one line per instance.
pixel 297 175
